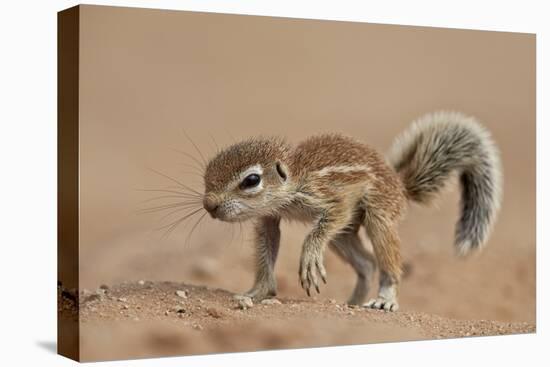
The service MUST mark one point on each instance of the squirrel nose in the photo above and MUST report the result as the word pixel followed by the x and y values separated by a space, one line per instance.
pixel 210 204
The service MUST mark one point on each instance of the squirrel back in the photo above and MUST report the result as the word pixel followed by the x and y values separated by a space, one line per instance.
pixel 435 147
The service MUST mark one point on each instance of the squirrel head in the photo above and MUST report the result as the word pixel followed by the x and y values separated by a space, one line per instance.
pixel 247 179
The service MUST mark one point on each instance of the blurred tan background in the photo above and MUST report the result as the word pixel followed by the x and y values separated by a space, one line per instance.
pixel 147 75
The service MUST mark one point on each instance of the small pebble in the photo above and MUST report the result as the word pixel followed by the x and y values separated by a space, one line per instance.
pixel 197 327
pixel 182 294
pixel 104 287
pixel 141 282
pixel 125 307
pixel 271 301
pixel 121 299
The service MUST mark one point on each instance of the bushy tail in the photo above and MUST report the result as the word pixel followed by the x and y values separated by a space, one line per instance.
pixel 440 144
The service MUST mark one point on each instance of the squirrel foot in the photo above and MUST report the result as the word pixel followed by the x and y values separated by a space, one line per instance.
pixel 381 303
pixel 259 293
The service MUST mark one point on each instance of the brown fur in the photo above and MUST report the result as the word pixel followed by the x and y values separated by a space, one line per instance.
pixel 333 181
pixel 262 151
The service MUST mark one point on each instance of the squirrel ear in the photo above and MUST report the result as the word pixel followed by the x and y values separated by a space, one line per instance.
pixel 281 170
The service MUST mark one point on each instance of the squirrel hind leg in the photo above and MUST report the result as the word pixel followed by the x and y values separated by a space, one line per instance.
pixel 348 247
pixel 386 245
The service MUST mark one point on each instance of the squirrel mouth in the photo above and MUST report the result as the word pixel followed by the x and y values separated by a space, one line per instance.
pixel 228 218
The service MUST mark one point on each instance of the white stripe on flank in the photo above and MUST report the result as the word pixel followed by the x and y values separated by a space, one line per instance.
pixel 342 169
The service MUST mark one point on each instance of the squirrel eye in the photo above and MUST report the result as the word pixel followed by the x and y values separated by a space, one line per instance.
pixel 250 181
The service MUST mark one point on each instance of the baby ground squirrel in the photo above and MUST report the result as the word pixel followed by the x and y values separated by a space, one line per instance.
pixel 339 184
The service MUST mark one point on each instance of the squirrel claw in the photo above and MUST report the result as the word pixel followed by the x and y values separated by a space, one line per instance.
pixel 382 304
pixel 311 268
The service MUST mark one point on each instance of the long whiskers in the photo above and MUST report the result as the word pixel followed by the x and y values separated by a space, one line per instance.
pixel 232 232
pixel 176 181
pixel 172 212
pixel 190 202
pixel 193 173
pixel 194 226
pixel 180 204
pixel 169 206
pixel 175 192
pixel 172 226
pixel 205 163
pixel 169 197
pixel 216 146
pixel 199 168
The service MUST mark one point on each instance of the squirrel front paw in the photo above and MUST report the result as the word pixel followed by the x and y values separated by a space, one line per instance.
pixel 311 265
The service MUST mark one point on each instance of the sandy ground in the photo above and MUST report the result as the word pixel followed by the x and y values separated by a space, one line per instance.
pixel 146 319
